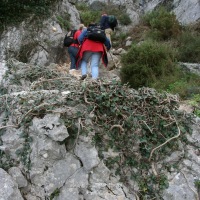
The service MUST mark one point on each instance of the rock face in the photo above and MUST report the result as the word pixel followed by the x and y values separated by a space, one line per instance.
pixel 8 187
pixel 42 45
pixel 182 184
pixel 53 168
pixel 187 12
pixel 191 67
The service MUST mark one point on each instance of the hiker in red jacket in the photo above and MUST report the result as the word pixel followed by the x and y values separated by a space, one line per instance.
pixel 92 51
pixel 74 47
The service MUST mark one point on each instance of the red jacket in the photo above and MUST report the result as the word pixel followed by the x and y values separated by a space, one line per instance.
pixel 90 45
pixel 76 35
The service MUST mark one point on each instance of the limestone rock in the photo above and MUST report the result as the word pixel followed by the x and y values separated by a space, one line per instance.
pixel 17 175
pixel 8 187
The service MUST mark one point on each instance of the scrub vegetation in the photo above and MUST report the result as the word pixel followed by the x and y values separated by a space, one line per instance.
pixel 160 44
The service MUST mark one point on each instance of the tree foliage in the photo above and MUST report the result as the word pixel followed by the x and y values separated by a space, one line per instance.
pixel 14 11
pixel 163 24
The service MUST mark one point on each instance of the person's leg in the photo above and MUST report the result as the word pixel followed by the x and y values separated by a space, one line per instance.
pixel 95 59
pixel 86 57
pixel 75 51
pixel 83 67
pixel 72 54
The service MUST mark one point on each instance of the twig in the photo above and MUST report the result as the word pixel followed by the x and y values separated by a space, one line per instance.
pixel 147 126
pixel 168 124
pixel 117 126
pixel 154 169
pixel 46 80
pixel 137 198
pixel 2 127
pixel 79 127
pixel 176 136
pixel 85 98
pixel 93 110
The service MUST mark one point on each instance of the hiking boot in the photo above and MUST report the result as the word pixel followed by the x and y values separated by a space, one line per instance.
pixel 71 71
pixel 83 77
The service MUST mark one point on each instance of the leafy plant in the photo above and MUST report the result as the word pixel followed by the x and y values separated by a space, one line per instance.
pixel 124 19
pixel 189 47
pixel 185 84
pixel 55 194
pixel 195 102
pixel 147 63
pixel 132 126
pixel 119 39
pixel 89 16
pixel 5 161
pixel 64 22
pixel 82 6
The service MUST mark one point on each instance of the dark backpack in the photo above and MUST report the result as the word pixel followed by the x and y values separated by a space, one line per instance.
pixel 69 38
pixel 95 33
pixel 112 21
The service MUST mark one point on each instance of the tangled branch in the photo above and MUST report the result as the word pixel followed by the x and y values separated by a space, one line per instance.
pixel 170 139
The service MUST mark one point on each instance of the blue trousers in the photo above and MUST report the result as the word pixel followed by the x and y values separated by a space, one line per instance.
pixel 72 54
pixel 94 57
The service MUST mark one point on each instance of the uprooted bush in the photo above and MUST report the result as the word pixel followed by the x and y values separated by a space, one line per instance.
pixel 141 127
pixel 147 63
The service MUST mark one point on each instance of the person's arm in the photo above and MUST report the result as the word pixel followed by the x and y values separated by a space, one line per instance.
pixel 107 44
pixel 82 36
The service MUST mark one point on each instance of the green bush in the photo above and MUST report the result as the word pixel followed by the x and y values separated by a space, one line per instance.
pixel 189 47
pixel 64 22
pixel 124 19
pixel 195 102
pixel 147 63
pixel 90 16
pixel 185 84
pixel 82 7
pixel 163 24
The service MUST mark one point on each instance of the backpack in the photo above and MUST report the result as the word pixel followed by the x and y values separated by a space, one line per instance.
pixel 95 33
pixel 112 21
pixel 68 40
